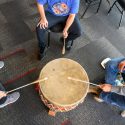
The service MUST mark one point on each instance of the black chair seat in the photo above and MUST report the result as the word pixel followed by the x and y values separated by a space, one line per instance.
pixel 122 3
pixel 57 28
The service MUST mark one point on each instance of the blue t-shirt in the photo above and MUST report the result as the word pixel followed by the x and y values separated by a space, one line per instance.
pixel 61 7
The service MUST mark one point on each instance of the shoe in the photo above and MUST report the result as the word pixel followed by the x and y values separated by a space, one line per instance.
pixel 68 44
pixel 98 99
pixel 11 98
pixel 1 64
pixel 103 63
pixel 123 114
pixel 42 55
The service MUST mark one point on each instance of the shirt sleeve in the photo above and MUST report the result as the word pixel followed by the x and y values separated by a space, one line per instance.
pixel 74 6
pixel 118 89
pixel 42 2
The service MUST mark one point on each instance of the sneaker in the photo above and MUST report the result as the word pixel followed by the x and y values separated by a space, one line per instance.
pixel 68 44
pixel 123 114
pixel 98 99
pixel 1 64
pixel 42 55
pixel 11 98
pixel 103 63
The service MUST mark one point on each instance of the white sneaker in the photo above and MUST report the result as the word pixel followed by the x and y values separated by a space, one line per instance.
pixel 11 98
pixel 1 64
pixel 103 63
pixel 123 114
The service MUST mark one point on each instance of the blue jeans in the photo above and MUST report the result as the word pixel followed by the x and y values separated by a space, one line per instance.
pixel 2 100
pixel 74 31
pixel 110 78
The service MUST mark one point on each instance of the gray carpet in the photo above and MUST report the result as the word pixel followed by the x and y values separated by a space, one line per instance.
pixel 17 21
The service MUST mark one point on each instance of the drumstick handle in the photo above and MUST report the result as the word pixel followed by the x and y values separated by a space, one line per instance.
pixel 63 50
pixel 79 80
pixel 39 80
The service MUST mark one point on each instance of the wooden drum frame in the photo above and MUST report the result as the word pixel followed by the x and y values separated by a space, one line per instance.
pixel 59 93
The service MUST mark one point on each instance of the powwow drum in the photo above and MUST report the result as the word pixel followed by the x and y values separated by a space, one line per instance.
pixel 59 93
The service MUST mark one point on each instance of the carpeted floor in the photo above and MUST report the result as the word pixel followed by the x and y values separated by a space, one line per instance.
pixel 19 49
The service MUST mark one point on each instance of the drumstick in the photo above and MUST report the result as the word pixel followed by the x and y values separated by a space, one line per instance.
pixel 39 80
pixel 63 49
pixel 79 80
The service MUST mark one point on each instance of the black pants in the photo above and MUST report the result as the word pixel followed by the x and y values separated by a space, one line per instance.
pixel 2 100
pixel 74 31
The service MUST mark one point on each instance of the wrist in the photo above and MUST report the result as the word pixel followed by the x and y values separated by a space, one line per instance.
pixel 65 29
pixel 43 18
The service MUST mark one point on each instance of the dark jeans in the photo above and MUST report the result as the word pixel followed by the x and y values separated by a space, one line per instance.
pixel 110 78
pixel 74 31
pixel 2 100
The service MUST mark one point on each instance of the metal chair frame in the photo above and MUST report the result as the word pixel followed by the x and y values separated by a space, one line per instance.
pixel 91 3
pixel 121 11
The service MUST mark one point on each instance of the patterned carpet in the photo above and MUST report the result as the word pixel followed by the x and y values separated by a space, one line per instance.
pixel 19 50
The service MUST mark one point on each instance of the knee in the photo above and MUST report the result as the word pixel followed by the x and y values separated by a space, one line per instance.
pixel 39 30
pixel 111 65
pixel 79 33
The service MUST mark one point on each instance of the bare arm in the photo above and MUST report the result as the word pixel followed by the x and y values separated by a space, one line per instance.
pixel 43 21
pixel 68 24
pixel 41 11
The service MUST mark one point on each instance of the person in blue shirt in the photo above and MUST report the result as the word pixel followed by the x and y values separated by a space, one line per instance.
pixel 58 11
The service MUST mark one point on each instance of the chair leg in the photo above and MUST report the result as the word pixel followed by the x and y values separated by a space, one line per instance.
pixel 108 2
pixel 99 6
pixel 112 6
pixel 48 38
pixel 86 10
pixel 72 43
pixel 122 14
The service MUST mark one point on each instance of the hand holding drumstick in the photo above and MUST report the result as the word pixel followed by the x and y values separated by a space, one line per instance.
pixel 63 49
pixel 39 80
pixel 104 87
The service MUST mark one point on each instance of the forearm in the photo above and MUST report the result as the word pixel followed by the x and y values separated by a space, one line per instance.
pixel 118 89
pixel 69 21
pixel 41 11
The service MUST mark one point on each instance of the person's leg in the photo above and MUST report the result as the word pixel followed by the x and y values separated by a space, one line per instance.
pixel 111 71
pixel 52 20
pixel 10 98
pixel 2 100
pixel 75 30
pixel 114 99
pixel 110 78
